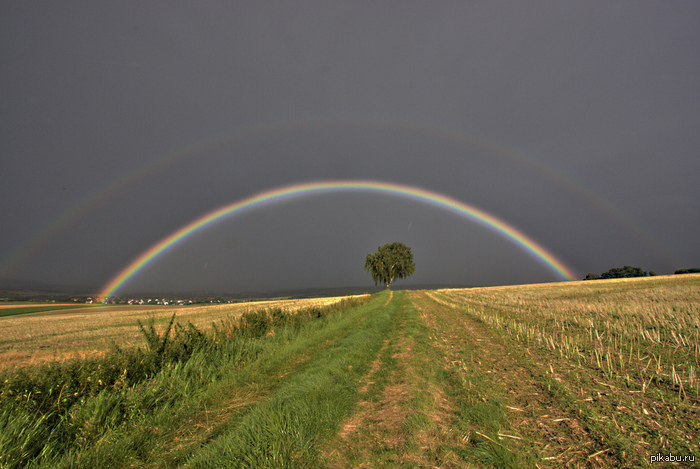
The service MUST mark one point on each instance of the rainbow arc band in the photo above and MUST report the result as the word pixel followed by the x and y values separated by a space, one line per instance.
pixel 66 219
pixel 310 188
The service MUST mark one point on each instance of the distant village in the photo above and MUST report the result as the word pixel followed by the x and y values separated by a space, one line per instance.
pixel 43 298
pixel 183 299
pixel 161 301
pixel 142 301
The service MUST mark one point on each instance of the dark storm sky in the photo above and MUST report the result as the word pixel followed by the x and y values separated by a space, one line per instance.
pixel 575 122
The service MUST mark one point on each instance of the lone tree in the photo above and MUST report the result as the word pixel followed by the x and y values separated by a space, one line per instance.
pixel 390 262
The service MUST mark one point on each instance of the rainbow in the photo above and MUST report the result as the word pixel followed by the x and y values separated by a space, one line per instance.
pixel 90 203
pixel 319 187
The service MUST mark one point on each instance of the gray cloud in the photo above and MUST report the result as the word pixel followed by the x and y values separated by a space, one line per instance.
pixel 574 122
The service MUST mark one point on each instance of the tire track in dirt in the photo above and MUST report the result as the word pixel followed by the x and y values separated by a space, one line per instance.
pixel 378 410
pixel 554 436
pixel 232 402
pixel 378 433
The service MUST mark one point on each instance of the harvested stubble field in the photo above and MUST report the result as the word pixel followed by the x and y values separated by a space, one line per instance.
pixel 577 374
pixel 63 332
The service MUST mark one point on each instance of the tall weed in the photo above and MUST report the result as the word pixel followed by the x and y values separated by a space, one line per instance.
pixel 54 411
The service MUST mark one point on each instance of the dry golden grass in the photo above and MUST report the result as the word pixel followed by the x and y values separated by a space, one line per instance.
pixel 612 362
pixel 33 338
pixel 24 305
pixel 636 329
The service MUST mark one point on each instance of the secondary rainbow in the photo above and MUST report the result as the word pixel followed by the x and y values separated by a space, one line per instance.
pixel 310 188
pixel 65 220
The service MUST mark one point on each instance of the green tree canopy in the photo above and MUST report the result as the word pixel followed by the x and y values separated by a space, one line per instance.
pixel 391 261
pixel 688 271
pixel 621 272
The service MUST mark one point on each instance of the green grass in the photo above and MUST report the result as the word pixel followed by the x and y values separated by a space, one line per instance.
pixel 595 374
pixel 288 428
pixel 109 411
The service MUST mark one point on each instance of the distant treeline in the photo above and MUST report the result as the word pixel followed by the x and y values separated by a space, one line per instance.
pixel 688 271
pixel 630 271
pixel 621 272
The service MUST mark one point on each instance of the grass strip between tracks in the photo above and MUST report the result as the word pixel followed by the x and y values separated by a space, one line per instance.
pixel 288 428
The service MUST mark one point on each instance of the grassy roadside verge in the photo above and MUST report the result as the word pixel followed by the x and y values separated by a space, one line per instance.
pixel 126 409
pixel 305 410
pixel 88 331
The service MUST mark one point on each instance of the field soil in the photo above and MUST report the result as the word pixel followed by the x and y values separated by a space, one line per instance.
pixel 596 374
